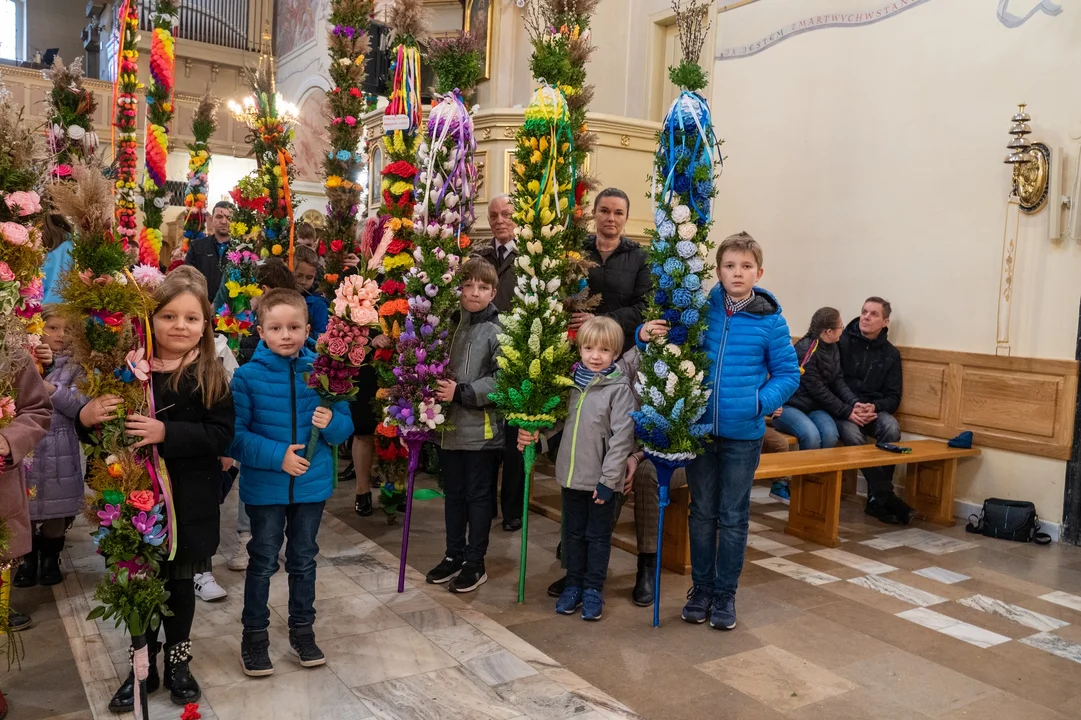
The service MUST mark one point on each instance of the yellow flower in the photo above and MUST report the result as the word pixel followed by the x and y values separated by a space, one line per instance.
pixel 333 181
pixel 35 325
pixel 401 187
pixel 535 369
pixel 276 249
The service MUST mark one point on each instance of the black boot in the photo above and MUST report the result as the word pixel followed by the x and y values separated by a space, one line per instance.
pixel 27 574
pixel 124 698
pixel 183 688
pixel 644 588
pixel 556 589
pixel 50 561
pixel 363 505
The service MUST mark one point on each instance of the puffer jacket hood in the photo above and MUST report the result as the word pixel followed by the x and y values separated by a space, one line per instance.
pixel 274 409
pixel 475 423
pixel 753 368
pixel 598 434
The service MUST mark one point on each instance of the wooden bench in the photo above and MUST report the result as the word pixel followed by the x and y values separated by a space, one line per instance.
pixel 814 509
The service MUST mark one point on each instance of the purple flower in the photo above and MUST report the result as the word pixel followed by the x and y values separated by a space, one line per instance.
pixel 421 354
pixel 108 515
pixel 431 290
pixel 144 523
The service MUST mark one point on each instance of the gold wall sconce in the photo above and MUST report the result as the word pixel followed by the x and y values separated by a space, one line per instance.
pixel 1031 164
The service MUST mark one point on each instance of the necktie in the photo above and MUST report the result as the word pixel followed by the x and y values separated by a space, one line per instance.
pixel 502 252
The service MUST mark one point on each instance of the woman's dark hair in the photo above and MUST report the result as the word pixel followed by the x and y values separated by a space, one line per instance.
pixel 824 319
pixel 55 231
pixel 610 193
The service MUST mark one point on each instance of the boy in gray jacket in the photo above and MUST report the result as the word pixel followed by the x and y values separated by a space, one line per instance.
pixel 591 466
pixel 469 453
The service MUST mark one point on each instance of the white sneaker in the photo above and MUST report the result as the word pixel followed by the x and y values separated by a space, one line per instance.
pixel 239 561
pixel 207 588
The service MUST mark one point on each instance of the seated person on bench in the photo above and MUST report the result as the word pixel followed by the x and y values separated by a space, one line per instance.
pixel 872 370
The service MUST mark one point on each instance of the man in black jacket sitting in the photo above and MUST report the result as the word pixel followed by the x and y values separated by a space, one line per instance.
pixel 207 252
pixel 872 370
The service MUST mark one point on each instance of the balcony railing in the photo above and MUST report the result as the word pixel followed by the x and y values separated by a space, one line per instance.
pixel 234 24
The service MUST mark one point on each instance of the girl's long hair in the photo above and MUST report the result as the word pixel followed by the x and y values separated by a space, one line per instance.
pixel 208 371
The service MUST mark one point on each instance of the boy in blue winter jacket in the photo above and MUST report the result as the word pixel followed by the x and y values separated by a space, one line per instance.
pixel 283 492
pixel 753 372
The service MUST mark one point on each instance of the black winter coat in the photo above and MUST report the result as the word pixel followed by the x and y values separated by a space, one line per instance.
pixel 821 386
pixel 872 368
pixel 195 438
pixel 622 281
pixel 203 256
pixel 505 270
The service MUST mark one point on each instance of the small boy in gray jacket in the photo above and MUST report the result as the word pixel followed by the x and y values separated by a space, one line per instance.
pixel 469 454
pixel 591 466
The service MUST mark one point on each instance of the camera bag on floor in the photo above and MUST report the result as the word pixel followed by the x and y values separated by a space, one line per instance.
pixel 1008 520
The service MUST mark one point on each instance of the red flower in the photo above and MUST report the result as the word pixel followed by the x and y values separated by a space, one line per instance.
pixel 322 248
pixel 401 169
pixel 191 712
pixel 355 92
pixel 396 246
pixel 579 192
pixel 392 287
pixel 384 355
pixel 406 200
pixel 388 199
pixel 336 245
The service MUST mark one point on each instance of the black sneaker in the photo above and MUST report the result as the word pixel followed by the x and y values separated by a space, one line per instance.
pixel 512 525
pixel 255 654
pixel 445 571
pixel 556 589
pixel 722 615
pixel 879 510
pixel 699 601
pixel 901 510
pixel 471 577
pixel 302 643
pixel 18 621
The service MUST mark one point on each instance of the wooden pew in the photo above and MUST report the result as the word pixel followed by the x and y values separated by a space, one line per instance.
pixel 814 510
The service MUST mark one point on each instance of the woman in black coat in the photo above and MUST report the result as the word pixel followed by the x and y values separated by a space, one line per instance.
pixel 621 276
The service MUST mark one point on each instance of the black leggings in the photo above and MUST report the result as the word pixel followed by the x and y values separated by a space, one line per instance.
pixel 182 605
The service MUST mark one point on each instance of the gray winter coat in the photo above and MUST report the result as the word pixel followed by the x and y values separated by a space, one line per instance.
pixel 56 473
pixel 473 348
pixel 598 434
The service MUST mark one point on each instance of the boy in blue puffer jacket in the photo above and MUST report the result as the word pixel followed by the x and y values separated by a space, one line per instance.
pixel 753 371
pixel 283 492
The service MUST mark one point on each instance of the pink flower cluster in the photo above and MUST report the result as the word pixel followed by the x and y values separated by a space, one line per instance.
pixel 344 341
pixel 355 300
pixel 15 233
pixel 23 202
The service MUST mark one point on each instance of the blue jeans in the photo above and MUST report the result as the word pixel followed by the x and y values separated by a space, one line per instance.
pixel 270 525
pixel 720 480
pixel 814 430
pixel 884 429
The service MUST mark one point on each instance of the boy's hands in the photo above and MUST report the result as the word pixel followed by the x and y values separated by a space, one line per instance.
pixel 653 329
pixel 597 500
pixel 445 393
pixel 322 417
pixel 526 438
pixel 294 464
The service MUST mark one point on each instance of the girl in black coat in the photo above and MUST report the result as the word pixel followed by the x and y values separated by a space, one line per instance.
pixel 193 428
pixel 822 398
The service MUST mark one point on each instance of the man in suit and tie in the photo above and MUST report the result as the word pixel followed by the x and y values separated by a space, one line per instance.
pixel 501 253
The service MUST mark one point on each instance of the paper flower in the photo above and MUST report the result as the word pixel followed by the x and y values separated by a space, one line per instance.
pixel 15 233
pixel 141 499
pixel 138 366
pixel 687 231
pixel 681 214
pixel 23 203
pixel 108 515
pixel 147 276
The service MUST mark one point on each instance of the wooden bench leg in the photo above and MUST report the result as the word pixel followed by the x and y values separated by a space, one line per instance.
pixel 814 511
pixel 676 553
pixel 929 488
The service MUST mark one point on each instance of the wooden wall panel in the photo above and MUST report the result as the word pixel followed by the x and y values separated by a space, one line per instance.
pixel 1021 404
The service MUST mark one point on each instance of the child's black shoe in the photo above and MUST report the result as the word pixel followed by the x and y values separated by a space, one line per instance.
pixel 255 653
pixel 469 579
pixel 302 642
pixel 445 571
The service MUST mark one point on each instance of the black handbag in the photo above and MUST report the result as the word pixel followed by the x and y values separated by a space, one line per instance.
pixel 1008 520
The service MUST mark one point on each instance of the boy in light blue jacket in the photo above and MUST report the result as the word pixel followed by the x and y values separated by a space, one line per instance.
pixel 283 492
pixel 753 371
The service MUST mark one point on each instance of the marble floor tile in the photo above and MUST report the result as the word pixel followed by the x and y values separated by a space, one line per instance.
pixel 1024 616
pixel 315 693
pixel 463 642
pixel 352 615
pixel 542 699
pixel 384 655
pixel 760 492
pixel 903 592
pixel 216 661
pixel 796 571
pixel 947 577
pixel 866 565
pixel 412 600
pixel 819 640
pixel 776 678
pixel 882 544
pixel 499 668
pixel 778 515
pixel 771 547
pixel 914 682
pixel 941 545
pixel 754 527
pixel 1055 645
pixel 447 694
pixel 436 618
pixel 330 582
pixel 1064 599
pixel 1003 705
pixel 858 704
pixel 954 628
